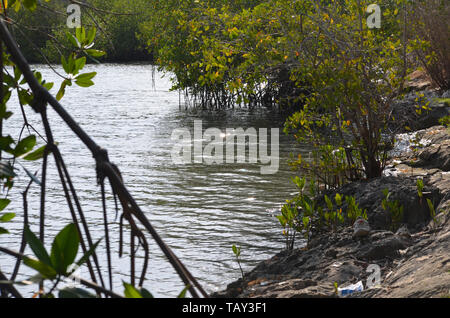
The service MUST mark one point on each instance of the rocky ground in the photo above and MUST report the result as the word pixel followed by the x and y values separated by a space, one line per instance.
pixel 415 263
pixel 405 110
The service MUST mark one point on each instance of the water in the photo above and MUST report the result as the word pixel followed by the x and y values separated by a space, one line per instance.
pixel 199 210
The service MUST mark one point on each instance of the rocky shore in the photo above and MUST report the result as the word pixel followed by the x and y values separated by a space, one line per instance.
pixel 414 261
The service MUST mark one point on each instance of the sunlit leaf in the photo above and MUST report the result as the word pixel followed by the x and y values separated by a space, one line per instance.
pixel 45 270
pixel 24 146
pixel 131 291
pixel 7 217
pixel 183 292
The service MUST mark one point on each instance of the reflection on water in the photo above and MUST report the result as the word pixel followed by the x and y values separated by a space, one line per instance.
pixel 199 210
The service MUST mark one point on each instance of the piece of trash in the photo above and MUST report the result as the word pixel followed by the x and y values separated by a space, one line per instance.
pixel 403 232
pixel 361 227
pixel 350 289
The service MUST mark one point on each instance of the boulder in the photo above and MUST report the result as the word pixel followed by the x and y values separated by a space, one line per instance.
pixel 404 111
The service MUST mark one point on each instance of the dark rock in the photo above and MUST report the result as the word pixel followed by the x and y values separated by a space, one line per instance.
pixel 386 247
pixel 435 156
pixel 331 253
pixel 405 112
pixel 403 232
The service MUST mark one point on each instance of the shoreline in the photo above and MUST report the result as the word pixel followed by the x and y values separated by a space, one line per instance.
pixel 413 263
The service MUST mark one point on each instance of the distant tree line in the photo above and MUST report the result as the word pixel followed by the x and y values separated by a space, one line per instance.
pixel 42 32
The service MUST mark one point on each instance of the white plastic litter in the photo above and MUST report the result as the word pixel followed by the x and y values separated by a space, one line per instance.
pixel 361 227
pixel 404 143
pixel 350 289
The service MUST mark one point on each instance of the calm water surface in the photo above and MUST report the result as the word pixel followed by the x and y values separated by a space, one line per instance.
pixel 199 210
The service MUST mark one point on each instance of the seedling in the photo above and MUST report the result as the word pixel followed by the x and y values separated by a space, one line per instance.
pixel 394 208
pixel 237 254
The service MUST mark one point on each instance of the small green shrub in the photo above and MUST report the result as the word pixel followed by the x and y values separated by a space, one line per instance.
pixel 445 121
pixel 303 214
pixel 334 217
pixel 394 208
pixel 432 211
pixel 299 214
pixel 237 254
pixel 288 220
pixel 420 187
pixel 353 210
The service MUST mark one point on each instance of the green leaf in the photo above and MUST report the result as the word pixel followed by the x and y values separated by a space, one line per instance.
pixel 91 35
pixel 73 40
pixel 35 155
pixel 236 250
pixel 86 76
pixel 24 146
pixel 65 248
pixel 44 269
pixel 65 65
pixel 85 80
pixel 80 33
pixel 24 97
pixel 48 86
pixel 71 63
pixel 95 53
pixel 329 203
pixel 3 230
pixel 17 74
pixel 4 203
pixel 306 206
pixel 79 64
pixel 145 293
pixel 37 247
pixel 7 217
pixel 5 143
pixel 183 292
pixel 62 90
pixel 4 113
pixel 30 4
pixel 338 199
pixel 282 220
pixel 431 208
pixel 38 76
pixel 300 183
pixel 84 83
pixel 17 5
pixel 131 291
pixel 306 221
